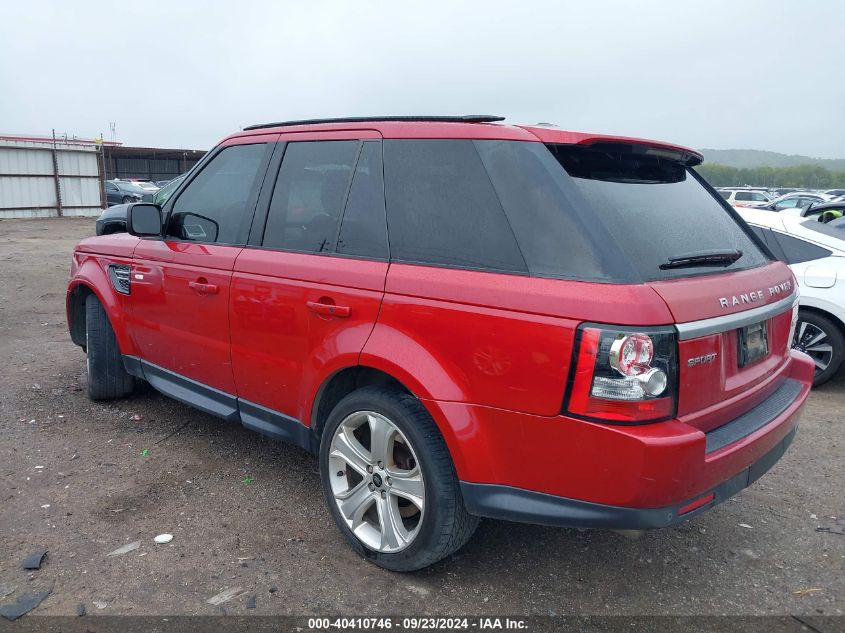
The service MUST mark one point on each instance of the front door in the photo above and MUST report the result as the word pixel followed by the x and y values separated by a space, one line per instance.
pixel 180 284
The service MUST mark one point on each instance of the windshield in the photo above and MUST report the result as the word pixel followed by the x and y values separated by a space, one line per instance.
pixel 163 195
pixel 834 228
pixel 656 209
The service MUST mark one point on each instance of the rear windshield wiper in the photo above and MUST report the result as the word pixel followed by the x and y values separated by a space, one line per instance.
pixel 702 258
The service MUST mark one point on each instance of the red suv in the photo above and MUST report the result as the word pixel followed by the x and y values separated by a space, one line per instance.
pixel 463 319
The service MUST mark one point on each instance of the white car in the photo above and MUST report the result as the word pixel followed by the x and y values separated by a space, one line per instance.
pixel 147 185
pixel 745 197
pixel 816 254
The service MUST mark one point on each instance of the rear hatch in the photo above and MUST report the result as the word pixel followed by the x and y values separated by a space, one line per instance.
pixel 731 302
pixel 734 333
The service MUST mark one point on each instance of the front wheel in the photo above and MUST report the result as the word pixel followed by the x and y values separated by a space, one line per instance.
pixel 389 481
pixel 107 379
pixel 822 340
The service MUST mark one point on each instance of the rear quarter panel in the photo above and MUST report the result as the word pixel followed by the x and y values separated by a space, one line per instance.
pixel 498 340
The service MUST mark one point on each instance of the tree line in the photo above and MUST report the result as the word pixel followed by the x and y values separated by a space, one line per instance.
pixel 806 176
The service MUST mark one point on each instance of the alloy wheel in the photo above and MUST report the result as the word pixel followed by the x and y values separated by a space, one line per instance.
pixel 376 481
pixel 812 340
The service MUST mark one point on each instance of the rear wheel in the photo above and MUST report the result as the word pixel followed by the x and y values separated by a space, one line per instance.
pixel 822 340
pixel 107 379
pixel 389 481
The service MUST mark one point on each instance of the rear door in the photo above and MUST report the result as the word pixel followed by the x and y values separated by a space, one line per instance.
pixel 180 284
pixel 307 289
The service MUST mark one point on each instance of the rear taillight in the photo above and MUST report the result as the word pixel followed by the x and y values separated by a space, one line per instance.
pixel 624 375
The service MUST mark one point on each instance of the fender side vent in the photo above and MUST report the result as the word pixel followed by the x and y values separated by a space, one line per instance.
pixel 119 275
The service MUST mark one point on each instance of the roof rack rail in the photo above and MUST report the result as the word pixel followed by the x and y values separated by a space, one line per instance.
pixel 465 118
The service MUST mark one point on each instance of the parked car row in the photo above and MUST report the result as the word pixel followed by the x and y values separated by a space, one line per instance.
pixel 113 219
pixel 124 191
pixel 766 199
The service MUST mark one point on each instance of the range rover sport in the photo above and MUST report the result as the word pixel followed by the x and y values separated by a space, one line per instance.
pixel 461 319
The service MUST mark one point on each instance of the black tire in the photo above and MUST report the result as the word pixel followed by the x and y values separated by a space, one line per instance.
pixel 127 200
pixel 107 379
pixel 445 525
pixel 833 337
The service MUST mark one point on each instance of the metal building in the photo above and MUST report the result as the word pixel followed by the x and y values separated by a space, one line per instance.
pixel 147 163
pixel 41 177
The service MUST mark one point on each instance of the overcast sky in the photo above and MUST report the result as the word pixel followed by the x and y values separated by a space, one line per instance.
pixel 719 74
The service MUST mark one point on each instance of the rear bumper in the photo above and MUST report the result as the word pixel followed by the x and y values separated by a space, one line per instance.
pixel 562 471
pixel 526 506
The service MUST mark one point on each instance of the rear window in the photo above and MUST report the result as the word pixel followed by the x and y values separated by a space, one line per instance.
pixel 654 208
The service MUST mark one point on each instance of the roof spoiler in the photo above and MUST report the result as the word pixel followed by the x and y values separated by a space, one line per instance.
pixel 682 155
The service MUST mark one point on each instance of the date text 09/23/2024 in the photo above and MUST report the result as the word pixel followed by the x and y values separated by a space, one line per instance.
pixel 418 623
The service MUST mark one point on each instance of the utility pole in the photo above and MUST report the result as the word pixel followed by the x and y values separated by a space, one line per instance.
pixel 56 177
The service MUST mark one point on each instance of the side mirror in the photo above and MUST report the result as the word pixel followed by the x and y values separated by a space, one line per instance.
pixel 143 220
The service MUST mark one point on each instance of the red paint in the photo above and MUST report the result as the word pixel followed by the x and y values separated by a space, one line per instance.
pixel 282 349
pixel 694 505
pixel 555 135
pixel 89 271
pixel 176 322
pixel 641 466
pixel 694 298
pixel 489 355
pixel 716 392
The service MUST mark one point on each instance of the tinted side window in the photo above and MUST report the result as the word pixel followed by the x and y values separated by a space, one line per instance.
pixel 743 195
pixel 213 207
pixel 555 239
pixel 363 230
pixel 725 194
pixel 769 240
pixel 309 195
pixel 110 186
pixel 442 209
pixel 761 232
pixel 798 251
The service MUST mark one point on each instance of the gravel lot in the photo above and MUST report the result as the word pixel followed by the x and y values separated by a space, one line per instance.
pixel 81 479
